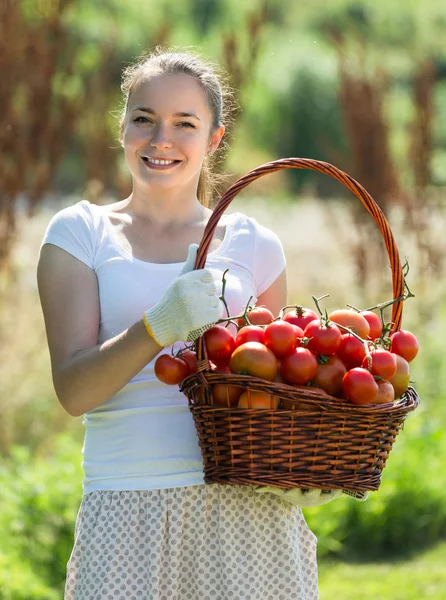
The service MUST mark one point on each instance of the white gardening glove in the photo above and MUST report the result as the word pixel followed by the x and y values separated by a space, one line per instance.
pixel 189 307
pixel 306 497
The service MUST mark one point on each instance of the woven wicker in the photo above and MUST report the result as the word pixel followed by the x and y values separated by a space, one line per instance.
pixel 312 440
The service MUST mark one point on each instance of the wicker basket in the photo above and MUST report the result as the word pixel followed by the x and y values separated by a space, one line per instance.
pixel 311 440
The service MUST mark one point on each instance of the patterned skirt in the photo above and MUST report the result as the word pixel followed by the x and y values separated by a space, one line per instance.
pixel 205 542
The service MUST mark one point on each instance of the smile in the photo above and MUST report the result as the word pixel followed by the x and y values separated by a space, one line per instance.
pixel 157 163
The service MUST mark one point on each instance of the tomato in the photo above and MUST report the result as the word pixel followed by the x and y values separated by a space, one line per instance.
pixel 301 316
pixel 280 337
pixel 323 339
pixel 386 393
pixel 250 333
pixel 190 358
pixel 299 366
pixel 405 344
pixel 226 395
pixel 400 381
pixel 383 363
pixel 298 332
pixel 351 350
pixel 254 399
pixel 359 386
pixel 254 359
pixel 329 375
pixel 375 324
pixel 220 344
pixel 259 315
pixel 170 370
pixel 351 319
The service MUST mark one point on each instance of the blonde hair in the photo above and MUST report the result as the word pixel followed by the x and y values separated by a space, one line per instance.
pixel 214 82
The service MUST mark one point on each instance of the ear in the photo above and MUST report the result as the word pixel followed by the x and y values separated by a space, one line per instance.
pixel 215 140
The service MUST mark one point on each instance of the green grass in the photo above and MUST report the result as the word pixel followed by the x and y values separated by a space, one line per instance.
pixel 422 578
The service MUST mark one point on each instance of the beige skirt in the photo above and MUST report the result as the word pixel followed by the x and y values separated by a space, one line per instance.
pixel 205 542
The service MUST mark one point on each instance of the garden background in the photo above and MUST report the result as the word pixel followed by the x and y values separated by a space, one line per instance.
pixel 360 84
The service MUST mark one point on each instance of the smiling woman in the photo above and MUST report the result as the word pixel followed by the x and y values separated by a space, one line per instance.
pixel 118 288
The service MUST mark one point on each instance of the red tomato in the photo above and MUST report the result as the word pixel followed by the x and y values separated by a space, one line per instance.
pixel 405 344
pixel 329 375
pixel 220 344
pixel 386 393
pixel 280 337
pixel 259 315
pixel 190 358
pixel 254 359
pixel 226 395
pixel 374 321
pixel 255 399
pixel 250 333
pixel 359 386
pixel 170 370
pixel 324 339
pixel 300 316
pixel 299 333
pixel 383 363
pixel 351 319
pixel 400 381
pixel 351 350
pixel 299 366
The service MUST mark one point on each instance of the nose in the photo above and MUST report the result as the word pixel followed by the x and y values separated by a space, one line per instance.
pixel 160 137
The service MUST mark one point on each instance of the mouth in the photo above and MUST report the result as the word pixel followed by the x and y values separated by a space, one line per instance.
pixel 160 164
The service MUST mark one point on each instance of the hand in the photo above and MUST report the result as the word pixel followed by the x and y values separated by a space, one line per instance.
pixel 307 498
pixel 189 307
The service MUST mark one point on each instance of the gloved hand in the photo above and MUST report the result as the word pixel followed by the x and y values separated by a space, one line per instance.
pixel 189 307
pixel 306 497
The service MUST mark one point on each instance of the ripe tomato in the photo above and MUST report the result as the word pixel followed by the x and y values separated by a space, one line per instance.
pixel 383 363
pixel 254 359
pixel 254 399
pixel 280 337
pixel 401 379
pixel 170 370
pixel 299 366
pixel 324 339
pixel 374 321
pixel 351 319
pixel 190 358
pixel 298 332
pixel 386 393
pixel 405 344
pixel 250 333
pixel 351 350
pixel 226 395
pixel 359 386
pixel 329 375
pixel 259 315
pixel 300 316
pixel 220 344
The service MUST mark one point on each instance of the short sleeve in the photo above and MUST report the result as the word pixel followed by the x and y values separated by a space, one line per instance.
pixel 269 258
pixel 72 229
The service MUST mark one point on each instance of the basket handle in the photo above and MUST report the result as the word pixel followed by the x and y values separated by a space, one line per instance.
pixel 344 178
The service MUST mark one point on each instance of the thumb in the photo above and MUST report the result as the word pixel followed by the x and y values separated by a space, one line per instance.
pixel 191 258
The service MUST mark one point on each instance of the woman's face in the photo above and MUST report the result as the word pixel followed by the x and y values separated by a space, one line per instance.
pixel 167 132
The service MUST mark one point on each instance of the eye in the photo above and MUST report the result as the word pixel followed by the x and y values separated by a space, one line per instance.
pixel 142 120
pixel 187 124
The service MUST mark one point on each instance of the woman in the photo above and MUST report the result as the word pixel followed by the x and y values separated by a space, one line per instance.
pixel 117 288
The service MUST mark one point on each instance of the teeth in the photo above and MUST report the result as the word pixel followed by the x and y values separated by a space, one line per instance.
pixel 159 162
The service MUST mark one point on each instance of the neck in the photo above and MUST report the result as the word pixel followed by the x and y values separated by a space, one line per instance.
pixel 166 207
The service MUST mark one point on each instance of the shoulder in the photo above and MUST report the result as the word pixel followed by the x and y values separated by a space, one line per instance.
pixel 259 233
pixel 73 229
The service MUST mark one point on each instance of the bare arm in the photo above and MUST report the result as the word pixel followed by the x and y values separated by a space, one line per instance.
pixel 275 297
pixel 85 373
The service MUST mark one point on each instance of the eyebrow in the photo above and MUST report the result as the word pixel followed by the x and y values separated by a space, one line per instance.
pixel 150 111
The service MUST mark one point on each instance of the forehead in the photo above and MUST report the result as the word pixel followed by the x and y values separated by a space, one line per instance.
pixel 170 94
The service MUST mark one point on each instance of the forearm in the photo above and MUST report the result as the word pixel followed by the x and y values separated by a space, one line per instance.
pixel 92 376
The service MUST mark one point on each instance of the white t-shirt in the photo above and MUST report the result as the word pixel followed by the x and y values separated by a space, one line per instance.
pixel 144 437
